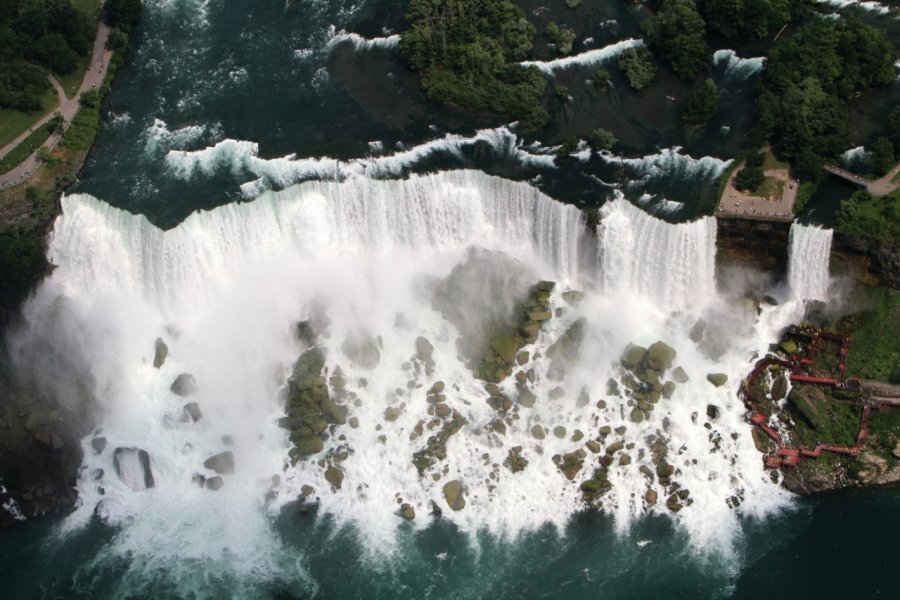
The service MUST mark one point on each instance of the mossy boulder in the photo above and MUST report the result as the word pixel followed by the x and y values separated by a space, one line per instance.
pixel 788 346
pixel 717 379
pixel 308 444
pixel 668 389
pixel 160 352
pixel 660 356
pixel 507 347
pixel 454 495
pixel 515 462
pixel 334 476
pixel 633 357
pixel 779 387
pixel 407 512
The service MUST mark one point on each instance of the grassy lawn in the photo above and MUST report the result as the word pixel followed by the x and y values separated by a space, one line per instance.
pixel 771 188
pixel 14 122
pixel 21 152
pixel 771 162
pixel 72 81
pixel 875 346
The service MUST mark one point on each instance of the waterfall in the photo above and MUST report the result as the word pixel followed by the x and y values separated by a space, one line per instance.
pixel 675 264
pixel 808 261
pixel 382 264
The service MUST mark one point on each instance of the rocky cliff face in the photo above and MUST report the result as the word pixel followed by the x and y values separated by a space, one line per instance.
pixel 40 452
pixel 758 244
pixel 764 245
pixel 866 259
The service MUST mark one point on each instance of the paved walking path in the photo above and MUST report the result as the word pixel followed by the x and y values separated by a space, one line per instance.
pixel 93 78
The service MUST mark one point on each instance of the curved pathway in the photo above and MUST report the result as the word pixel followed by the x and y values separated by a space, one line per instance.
pixel 93 78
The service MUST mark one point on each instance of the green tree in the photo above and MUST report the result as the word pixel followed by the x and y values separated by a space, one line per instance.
pixel 638 66
pixel 562 37
pixel 702 103
pixel 601 139
pixel 122 14
pixel 883 158
pixel 601 79
pixel 677 36
pixel 467 54
pixel 893 128
pixel 749 179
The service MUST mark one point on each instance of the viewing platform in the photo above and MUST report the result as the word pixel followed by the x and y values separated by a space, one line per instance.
pixel 772 201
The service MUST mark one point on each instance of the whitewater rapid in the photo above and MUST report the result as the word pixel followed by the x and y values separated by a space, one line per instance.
pixel 225 289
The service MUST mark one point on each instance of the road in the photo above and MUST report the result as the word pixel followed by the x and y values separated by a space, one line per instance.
pixel 93 78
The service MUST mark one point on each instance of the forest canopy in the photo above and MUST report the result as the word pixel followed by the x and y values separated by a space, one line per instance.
pixel 467 53
pixel 809 76
pixel 37 35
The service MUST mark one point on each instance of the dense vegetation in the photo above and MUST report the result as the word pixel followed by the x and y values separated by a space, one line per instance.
pixel 467 54
pixel 875 347
pixel 736 19
pixel 809 77
pixel 702 103
pixel 638 66
pixel 37 35
pixel 676 35
pixel 122 14
pixel 872 216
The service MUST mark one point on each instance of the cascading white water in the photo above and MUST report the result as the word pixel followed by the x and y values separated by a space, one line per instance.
pixel 809 257
pixel 225 288
pixel 675 264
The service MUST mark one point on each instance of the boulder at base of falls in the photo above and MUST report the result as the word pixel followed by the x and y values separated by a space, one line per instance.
pixel 679 375
pixel 133 468
pixel 453 494
pixel 407 512
pixel 222 463
pixel 215 483
pixel 660 356
pixel 633 357
pixel 788 346
pixel 334 476
pixel 651 497
pixel 161 351
pixel 779 388
pixel 184 385
pixel 191 412
pixel 717 379
pixel 424 350
pixel 98 444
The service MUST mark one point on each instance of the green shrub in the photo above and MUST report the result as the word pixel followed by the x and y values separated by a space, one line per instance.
pixel 701 104
pixel 749 179
pixel 638 66
pixel 601 139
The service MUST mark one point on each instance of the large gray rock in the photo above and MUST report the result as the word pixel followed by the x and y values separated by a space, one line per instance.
pixel 184 385
pixel 453 494
pixel 161 351
pixel 191 412
pixel 680 376
pixel 98 444
pixel 133 468
pixel 215 483
pixel 222 463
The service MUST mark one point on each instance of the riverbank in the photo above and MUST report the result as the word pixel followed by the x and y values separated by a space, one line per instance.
pixel 40 435
pixel 27 209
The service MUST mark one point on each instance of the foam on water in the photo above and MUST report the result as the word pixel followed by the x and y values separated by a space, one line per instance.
pixel 362 43
pixel 875 7
pixel 735 66
pixel 585 59
pixel 225 288
pixel 241 159
pixel 670 162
